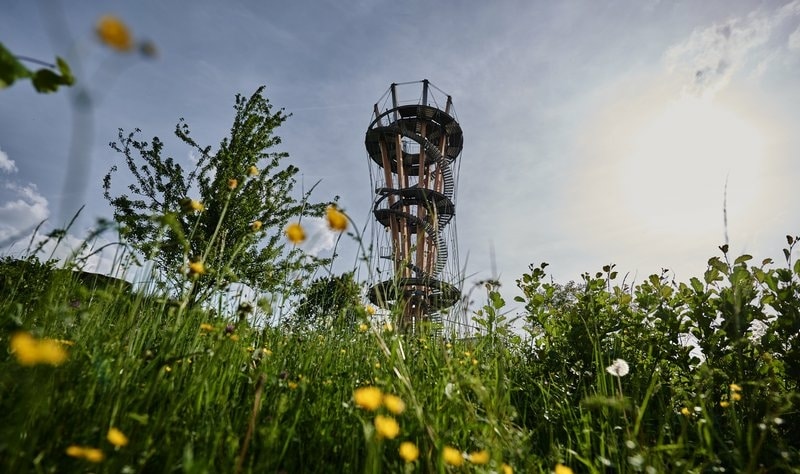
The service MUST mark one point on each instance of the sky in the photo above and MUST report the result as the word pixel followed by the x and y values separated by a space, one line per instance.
pixel 640 133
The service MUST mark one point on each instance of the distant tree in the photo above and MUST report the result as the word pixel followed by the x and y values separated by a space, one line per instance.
pixel 233 230
pixel 329 301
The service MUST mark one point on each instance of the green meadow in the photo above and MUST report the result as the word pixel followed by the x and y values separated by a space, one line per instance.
pixel 97 377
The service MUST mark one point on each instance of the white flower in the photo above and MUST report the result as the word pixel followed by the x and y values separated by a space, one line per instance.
pixel 619 368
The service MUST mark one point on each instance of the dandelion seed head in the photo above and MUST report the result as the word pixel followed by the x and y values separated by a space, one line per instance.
pixel 618 368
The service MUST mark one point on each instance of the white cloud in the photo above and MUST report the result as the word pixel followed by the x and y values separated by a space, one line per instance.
pixel 7 164
pixel 24 211
pixel 794 40
pixel 712 55
pixel 319 237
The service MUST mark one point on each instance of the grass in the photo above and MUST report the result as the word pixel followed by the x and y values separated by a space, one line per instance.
pixel 192 392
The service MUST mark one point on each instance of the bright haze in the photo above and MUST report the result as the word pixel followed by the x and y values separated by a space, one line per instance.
pixel 640 133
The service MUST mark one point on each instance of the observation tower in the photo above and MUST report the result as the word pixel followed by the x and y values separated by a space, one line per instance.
pixel 413 143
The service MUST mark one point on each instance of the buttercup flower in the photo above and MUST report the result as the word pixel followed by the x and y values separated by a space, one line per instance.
pixel 735 388
pixel 31 351
pixel 724 403
pixel 114 33
pixel 394 404
pixel 336 219
pixel 256 226
pixel 562 469
pixel 507 469
pixel 189 205
pixel 408 451
pixel 363 327
pixel 196 268
pixel 83 452
pixel 386 427
pixel 618 368
pixel 685 411
pixel 206 327
pixel 295 233
pixel 117 437
pixel 370 309
pixel 252 170
pixel 368 398
pixel 233 183
pixel 479 457
pixel 452 456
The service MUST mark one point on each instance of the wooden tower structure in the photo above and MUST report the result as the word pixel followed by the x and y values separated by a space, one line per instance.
pixel 413 143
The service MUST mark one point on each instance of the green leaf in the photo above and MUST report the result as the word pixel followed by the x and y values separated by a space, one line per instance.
pixel 797 267
pixel 10 68
pixel 66 72
pixel 742 259
pixel 697 285
pixel 45 81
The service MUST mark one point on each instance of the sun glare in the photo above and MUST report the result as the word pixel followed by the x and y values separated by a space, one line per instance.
pixel 678 160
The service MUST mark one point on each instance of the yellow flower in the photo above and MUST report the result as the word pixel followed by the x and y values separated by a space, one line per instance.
pixel 117 437
pixel 256 226
pixel 388 327
pixel 370 309
pixel 292 385
pixel 295 233
pixel 363 327
pixel 336 219
pixel 735 388
pixel 93 455
pixel 562 469
pixel 507 469
pixel 233 183
pixel 394 404
pixel 736 396
pixel 30 351
pixel 452 456
pixel 386 427
pixel 266 351
pixel 685 411
pixel 479 457
pixel 190 205
pixel 206 327
pixel 82 452
pixel 724 403
pixel 114 33
pixel 196 268
pixel 408 451
pixel 252 170
pixel 234 337
pixel 368 398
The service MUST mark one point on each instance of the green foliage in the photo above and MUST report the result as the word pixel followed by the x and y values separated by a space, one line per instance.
pixel 242 183
pixel 44 80
pixel 742 321
pixel 331 301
